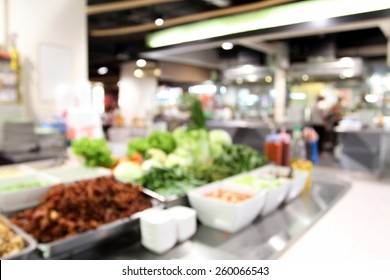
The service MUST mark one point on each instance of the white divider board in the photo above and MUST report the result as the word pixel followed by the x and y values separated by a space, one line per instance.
pixel 54 69
pixel 83 122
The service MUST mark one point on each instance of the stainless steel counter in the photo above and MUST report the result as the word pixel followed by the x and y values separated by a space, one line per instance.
pixel 266 238
pixel 365 150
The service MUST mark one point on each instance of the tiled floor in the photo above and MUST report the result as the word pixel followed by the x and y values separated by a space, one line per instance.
pixel 357 227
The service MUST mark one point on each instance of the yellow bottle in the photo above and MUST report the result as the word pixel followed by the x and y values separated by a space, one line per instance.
pixel 307 165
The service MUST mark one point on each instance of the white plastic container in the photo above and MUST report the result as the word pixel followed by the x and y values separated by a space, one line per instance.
pixel 158 230
pixel 298 184
pixel 69 174
pixel 185 219
pixel 222 215
pixel 297 181
pixel 275 197
pixel 27 197
pixel 14 170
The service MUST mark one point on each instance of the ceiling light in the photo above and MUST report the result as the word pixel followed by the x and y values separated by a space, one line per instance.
pixel 371 98
pixel 248 68
pixel 139 73
pixel 141 62
pixel 349 73
pixel 251 78
pixel 298 96
pixel 157 72
pixel 268 79
pixel 347 62
pixel 102 70
pixel 203 89
pixel 159 21
pixel 305 77
pixel 227 46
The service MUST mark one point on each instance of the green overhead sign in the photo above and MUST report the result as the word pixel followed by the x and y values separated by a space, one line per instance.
pixel 316 11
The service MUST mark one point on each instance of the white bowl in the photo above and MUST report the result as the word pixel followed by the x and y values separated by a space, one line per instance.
pixel 222 215
pixel 297 182
pixel 275 197
pixel 27 197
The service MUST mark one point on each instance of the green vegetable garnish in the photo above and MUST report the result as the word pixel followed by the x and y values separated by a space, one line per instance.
pixel 169 181
pixel 24 186
pixel 95 152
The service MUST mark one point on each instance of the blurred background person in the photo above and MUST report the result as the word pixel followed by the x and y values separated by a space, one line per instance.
pixel 335 115
pixel 318 119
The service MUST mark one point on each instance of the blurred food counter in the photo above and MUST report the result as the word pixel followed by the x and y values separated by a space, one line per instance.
pixel 364 149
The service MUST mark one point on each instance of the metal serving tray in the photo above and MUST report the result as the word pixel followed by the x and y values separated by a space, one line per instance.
pixel 30 243
pixel 167 202
pixel 70 246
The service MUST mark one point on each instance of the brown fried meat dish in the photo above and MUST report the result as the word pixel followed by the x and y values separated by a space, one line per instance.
pixel 73 208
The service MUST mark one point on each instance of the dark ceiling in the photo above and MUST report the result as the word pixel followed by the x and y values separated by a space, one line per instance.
pixel 110 51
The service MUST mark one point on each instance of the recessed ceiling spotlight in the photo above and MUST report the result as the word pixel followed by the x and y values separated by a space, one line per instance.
pixel 159 21
pixel 268 79
pixel 138 73
pixel 102 70
pixel 305 77
pixel 227 46
pixel 141 62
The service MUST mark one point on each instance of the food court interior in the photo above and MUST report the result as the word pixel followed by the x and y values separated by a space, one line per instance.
pixel 182 97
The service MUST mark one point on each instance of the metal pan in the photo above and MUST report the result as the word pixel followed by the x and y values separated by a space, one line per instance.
pixel 29 242
pixel 167 202
pixel 67 247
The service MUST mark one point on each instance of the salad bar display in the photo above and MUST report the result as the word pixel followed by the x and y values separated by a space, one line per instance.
pixel 70 208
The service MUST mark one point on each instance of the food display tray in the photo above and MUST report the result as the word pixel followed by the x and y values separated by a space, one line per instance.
pixel 30 243
pixel 70 246
pixel 12 170
pixel 68 174
pixel 24 198
pixel 167 202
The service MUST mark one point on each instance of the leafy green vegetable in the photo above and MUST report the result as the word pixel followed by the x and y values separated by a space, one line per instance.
pixel 157 139
pixel 127 172
pixel 162 140
pixel 195 142
pixel 240 158
pixel 149 164
pixel 169 181
pixel 198 119
pixel 95 152
pixel 210 173
pixel 218 138
pixel 261 183
pixel 156 154
pixel 140 145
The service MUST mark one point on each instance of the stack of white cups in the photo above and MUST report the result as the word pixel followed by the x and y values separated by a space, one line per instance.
pixel 161 229
pixel 185 219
